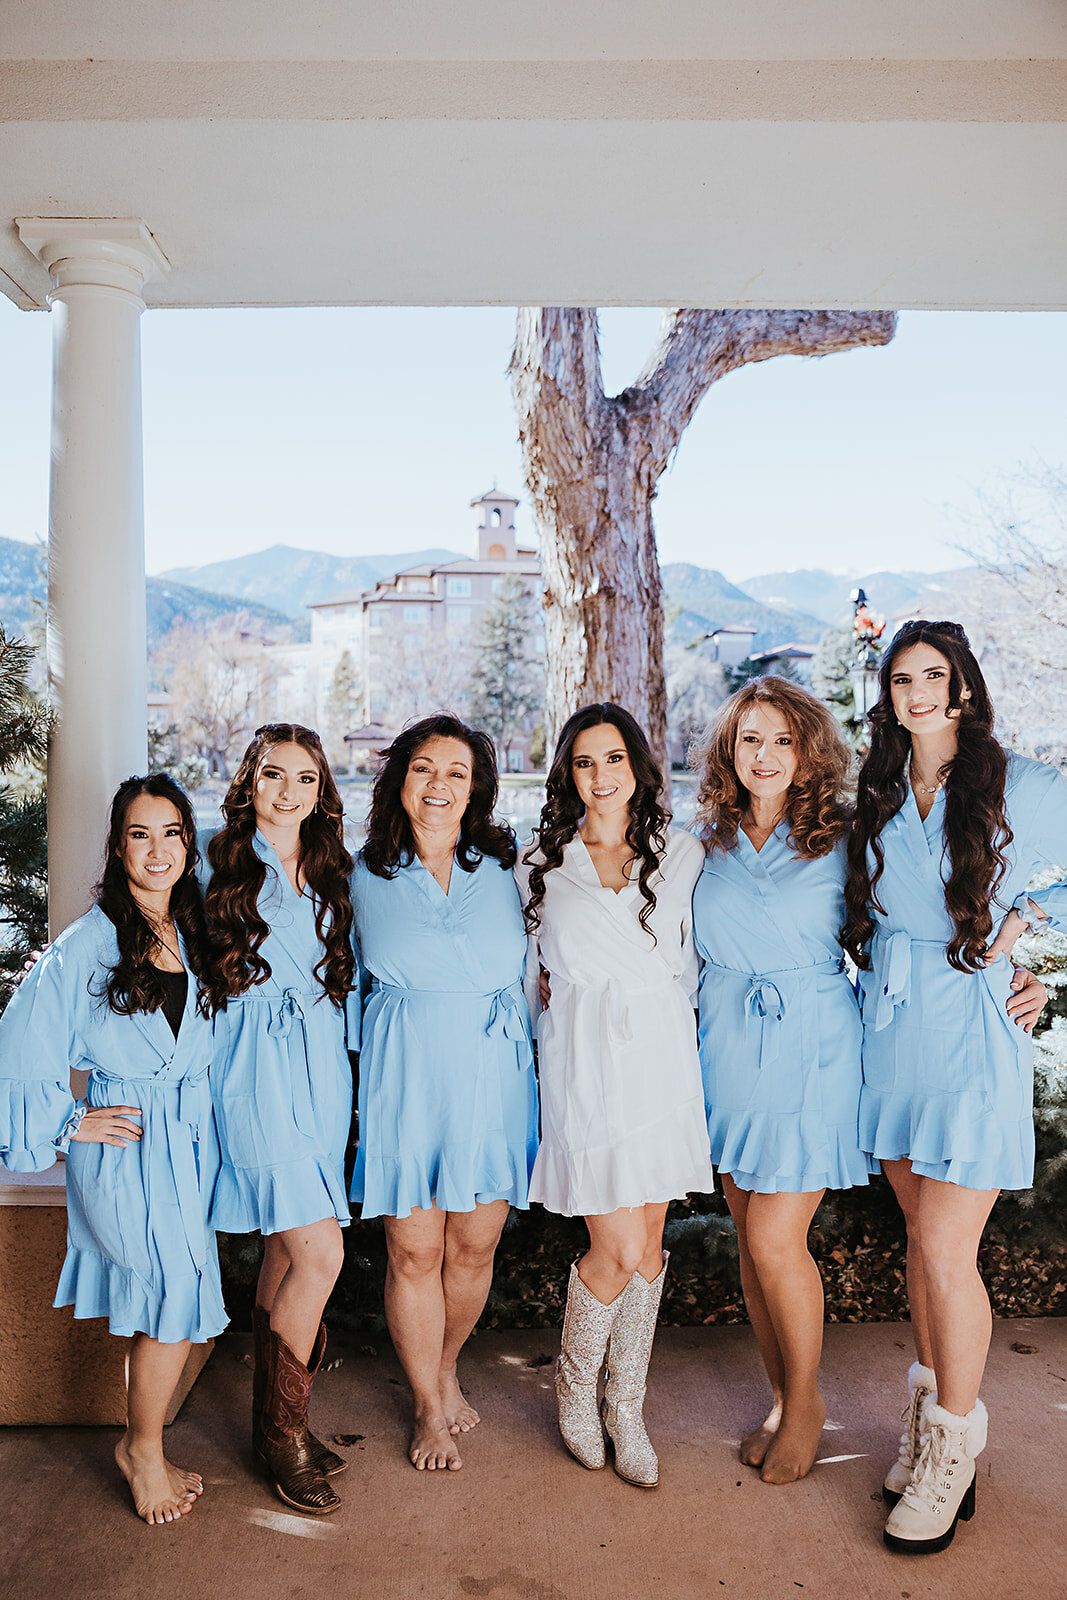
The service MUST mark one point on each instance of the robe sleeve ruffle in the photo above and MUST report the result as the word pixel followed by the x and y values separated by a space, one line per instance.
pixel 38 1112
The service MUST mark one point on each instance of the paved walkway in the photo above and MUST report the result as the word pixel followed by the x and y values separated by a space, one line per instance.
pixel 521 1521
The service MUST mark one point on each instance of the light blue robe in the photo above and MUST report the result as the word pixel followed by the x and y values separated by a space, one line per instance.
pixel 947 1076
pixel 280 1080
pixel 447 1097
pixel 779 1024
pixel 139 1248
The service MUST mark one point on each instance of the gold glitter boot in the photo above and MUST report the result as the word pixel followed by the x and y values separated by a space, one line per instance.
pixel 632 1334
pixel 586 1328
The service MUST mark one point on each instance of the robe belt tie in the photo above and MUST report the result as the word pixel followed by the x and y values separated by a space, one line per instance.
pixel 765 1001
pixel 888 982
pixel 508 1016
pixel 288 1017
pixel 612 1000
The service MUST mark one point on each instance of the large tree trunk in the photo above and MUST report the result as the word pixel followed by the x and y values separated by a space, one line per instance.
pixel 593 464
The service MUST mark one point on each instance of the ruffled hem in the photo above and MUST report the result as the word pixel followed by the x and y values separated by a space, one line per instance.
pixel 592 1183
pixel 956 1138
pixel 32 1116
pixel 188 1307
pixel 454 1180
pixel 768 1153
pixel 272 1199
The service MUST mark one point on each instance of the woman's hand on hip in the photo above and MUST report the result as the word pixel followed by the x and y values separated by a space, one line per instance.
pixel 108 1125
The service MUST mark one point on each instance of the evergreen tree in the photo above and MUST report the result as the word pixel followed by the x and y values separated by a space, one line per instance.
pixel 343 707
pixel 24 726
pixel 830 680
pixel 746 671
pixel 507 684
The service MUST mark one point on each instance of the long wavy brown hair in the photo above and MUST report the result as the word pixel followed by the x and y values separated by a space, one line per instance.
pixel 238 875
pixel 134 984
pixel 646 832
pixel 816 803
pixel 390 842
pixel 976 830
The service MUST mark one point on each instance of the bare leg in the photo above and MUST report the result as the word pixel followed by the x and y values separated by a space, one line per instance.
pixel 777 1226
pixel 754 1445
pixel 415 1311
pixel 621 1243
pixel 471 1238
pixel 907 1188
pixel 275 1266
pixel 951 1220
pixel 315 1255
pixel 161 1492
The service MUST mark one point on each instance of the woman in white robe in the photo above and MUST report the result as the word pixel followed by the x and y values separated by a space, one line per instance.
pixel 608 890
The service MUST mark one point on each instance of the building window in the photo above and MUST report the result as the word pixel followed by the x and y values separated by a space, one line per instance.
pixel 459 616
pixel 416 614
pixel 494 517
pixel 459 588
pixel 377 619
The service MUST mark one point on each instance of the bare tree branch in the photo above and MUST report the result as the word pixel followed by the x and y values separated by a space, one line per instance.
pixel 694 349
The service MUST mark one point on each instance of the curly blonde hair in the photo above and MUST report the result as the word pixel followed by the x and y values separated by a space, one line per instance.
pixel 817 804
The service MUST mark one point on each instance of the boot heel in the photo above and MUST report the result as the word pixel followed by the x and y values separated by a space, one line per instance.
pixel 967 1504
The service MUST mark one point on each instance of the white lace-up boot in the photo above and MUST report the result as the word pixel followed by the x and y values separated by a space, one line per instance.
pixel 586 1329
pixel 941 1491
pixel 921 1382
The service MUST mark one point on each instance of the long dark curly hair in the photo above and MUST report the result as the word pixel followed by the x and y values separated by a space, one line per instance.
pixel 817 805
pixel 976 823
pixel 390 842
pixel 134 984
pixel 238 875
pixel 646 833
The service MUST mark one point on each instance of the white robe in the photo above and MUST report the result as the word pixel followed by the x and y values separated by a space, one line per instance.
pixel 622 1106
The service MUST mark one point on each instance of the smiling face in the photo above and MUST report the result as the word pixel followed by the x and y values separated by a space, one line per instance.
pixel 765 757
pixel 152 849
pixel 437 784
pixel 286 787
pixel 919 687
pixel 600 767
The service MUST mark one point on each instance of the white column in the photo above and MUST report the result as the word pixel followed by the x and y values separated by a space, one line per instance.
pixel 96 579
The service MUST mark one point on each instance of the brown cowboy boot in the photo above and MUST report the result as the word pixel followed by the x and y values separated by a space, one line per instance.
pixel 285 1449
pixel 327 1460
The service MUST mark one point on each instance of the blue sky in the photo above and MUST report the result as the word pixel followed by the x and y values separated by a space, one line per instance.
pixel 365 430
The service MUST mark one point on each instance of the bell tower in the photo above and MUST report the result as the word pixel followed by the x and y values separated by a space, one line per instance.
pixel 495 514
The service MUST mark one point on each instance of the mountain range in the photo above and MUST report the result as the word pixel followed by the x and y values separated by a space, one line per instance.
pixel 274 587
pixel 825 595
pixel 289 580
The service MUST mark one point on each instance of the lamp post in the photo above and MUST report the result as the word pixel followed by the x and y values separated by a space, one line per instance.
pixel 867 630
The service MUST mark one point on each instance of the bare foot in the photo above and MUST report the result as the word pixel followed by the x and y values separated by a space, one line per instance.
pixel 161 1492
pixel 791 1455
pixel 432 1447
pixel 754 1445
pixel 459 1413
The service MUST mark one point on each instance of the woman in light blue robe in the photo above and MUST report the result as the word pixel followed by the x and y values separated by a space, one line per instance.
pixel 141 1152
pixel 950 829
pixel 779 1026
pixel 279 908
pixel 447 1100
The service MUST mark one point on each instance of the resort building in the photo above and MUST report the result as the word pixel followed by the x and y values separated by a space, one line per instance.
pixel 411 639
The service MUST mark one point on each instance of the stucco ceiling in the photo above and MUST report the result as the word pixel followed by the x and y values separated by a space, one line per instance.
pixel 776 153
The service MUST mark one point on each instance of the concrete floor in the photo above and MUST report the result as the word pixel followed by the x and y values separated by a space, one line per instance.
pixel 524 1522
